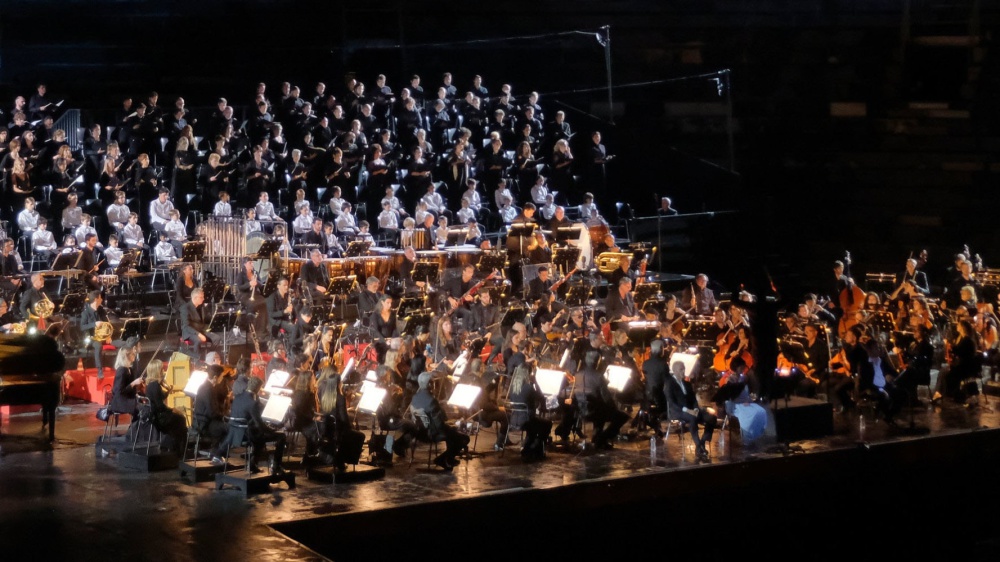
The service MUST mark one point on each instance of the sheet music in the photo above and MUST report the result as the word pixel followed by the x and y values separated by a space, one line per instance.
pixel 618 376
pixel 464 395
pixel 276 381
pixel 370 399
pixel 276 408
pixel 194 382
pixel 549 381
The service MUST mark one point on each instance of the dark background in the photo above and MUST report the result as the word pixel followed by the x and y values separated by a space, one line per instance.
pixel 807 184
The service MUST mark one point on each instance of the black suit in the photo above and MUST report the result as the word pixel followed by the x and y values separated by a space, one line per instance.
pixel 246 406
pixel 439 430
pixel 679 398
pixel 615 306
pixel 918 280
pixel 315 276
pixel 194 323
pixel 276 305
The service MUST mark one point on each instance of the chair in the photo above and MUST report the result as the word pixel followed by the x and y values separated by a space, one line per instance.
pixel 109 425
pixel 238 436
pixel 145 419
pixel 423 422
pixel 518 414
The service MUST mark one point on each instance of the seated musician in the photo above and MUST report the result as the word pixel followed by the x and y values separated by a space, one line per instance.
pixel 875 378
pixel 185 285
pixel 457 290
pixel 486 322
pixel 607 244
pixel 524 390
pixel 814 309
pixel 341 443
pixel 127 382
pixel 314 236
pixel 382 321
pixel 439 430
pixel 818 356
pixel 790 327
pixel 538 250
pixel 279 358
pixel 623 270
pixel 168 421
pixel 246 406
pixel 682 404
pixel 32 295
pixel 279 308
pixel 8 317
pixel 964 362
pixel 918 356
pixel 446 348
pixel 619 306
pixel 208 412
pixel 911 281
pixel 251 295
pixel 91 314
pixel 194 322
pixel 89 261
pixel 559 219
pixel 406 270
pixel 368 298
pixel 301 329
pixel 301 415
pixel 699 296
pixel 597 402
pixel 315 275
pixel 42 242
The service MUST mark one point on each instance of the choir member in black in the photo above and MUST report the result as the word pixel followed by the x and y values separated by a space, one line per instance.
pixel 195 322
pixel 214 178
pixel 40 106
pixel 127 381
pixel 258 174
pixel 341 443
pixel 493 162
pixel 457 290
pixel 918 356
pixel 338 174
pixel 425 406
pixel 699 296
pixel 8 317
pixel 207 417
pixel 279 308
pixel 315 275
pixel 246 406
pixel 524 391
pixel 91 314
pixel 145 179
pixel 596 174
pixel 168 421
pixel 682 404
pixel 369 298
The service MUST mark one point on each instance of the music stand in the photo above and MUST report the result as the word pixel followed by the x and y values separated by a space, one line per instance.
pixel 73 304
pixel 194 382
pixel 882 322
pixel 357 248
pixel 129 259
pixel 193 251
pixel 267 248
pixel 565 257
pixel 489 262
pixel 457 236
pixel 645 292
pixel 277 408
pixel 567 233
pixel 224 322
pixel 426 271
pixel 617 376
pixel 408 305
pixel 642 333
pixel 66 260
pixel 578 294
pixel 463 397
pixel 136 328
pixel 422 318
pixel 276 382
pixel 698 330
pixel 511 317
pixel 523 231
pixel 214 289
pixel 341 287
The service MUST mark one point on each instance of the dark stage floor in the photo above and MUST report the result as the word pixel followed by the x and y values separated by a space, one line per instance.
pixel 881 490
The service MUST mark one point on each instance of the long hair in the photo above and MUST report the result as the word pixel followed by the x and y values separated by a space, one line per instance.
pixel 154 371
pixel 521 376
pixel 329 394
pixel 124 359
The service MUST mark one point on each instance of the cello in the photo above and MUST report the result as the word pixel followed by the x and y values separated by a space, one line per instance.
pixel 851 299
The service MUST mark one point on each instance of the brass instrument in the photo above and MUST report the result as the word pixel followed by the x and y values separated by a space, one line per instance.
pixel 103 331
pixel 18 327
pixel 608 262
pixel 43 308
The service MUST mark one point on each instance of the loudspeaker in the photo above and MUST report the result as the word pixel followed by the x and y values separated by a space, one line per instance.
pixel 802 418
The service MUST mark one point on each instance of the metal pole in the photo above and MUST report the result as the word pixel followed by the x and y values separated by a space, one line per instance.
pixel 607 65
pixel 729 119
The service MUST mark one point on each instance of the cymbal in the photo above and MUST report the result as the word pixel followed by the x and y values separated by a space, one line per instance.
pixel 62 273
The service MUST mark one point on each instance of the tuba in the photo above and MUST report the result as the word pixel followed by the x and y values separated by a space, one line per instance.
pixel 608 262
pixel 44 308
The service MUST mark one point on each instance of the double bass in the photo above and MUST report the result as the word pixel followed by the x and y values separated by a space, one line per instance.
pixel 851 299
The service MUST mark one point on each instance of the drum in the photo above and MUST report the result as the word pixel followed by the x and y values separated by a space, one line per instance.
pixel 339 267
pixel 435 256
pixel 253 243
pixel 597 233
pixel 294 268
pixel 373 266
pixel 464 255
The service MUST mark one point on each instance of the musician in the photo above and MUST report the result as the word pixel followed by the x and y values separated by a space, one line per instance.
pixel 592 394
pixel 814 309
pixel 918 357
pixel 539 287
pixel 618 305
pixel 207 415
pixel 185 285
pixel 301 329
pixel 439 429
pixel 457 290
pixel 682 404
pixel 818 356
pixel 8 317
pixel 964 362
pixel 279 308
pixel 369 297
pixel 341 444
pixel 10 265
pixel 382 319
pixel 247 406
pixel 875 377
pixel 623 270
pixel 168 421
pixel 91 314
pixel 607 244
pixel 251 296
pixel 911 281
pixel 314 236
pixel 406 270
pixel 315 274
pixel 953 297
pixel 126 386
pixel 666 208
pixel 700 297
pixel 89 261
pixel 195 322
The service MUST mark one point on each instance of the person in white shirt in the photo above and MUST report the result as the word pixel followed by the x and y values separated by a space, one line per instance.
pixel 441 233
pixel 421 212
pixel 303 223
pixel 252 224
pixel 406 235
pixel 71 214
pixel 333 247
pixel 474 236
pixel 540 192
pixel 300 200
pixel 42 241
pixel 472 194
pixel 286 247
pixel 113 254
pixel 433 199
pixel 363 235
pixel 265 209
pixel 394 204
pixel 466 213
pixel 588 209
pixel 345 222
pixel 336 203
pixel 176 232
pixel 27 219
pixel 84 229
pixel 388 220
pixel 159 210
pixel 132 233
pixel 507 211
pixel 548 209
pixel 118 211
pixel 164 251
pixel 222 207
pixel 502 192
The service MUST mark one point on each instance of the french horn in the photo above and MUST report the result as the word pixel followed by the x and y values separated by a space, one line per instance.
pixel 103 331
pixel 43 308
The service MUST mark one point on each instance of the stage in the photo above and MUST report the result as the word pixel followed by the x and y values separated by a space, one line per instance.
pixel 879 490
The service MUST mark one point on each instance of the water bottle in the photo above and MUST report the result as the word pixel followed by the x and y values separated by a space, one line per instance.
pixel 861 422
pixel 652 448
pixel 79 365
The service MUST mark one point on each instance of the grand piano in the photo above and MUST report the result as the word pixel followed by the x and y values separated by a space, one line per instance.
pixel 31 369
